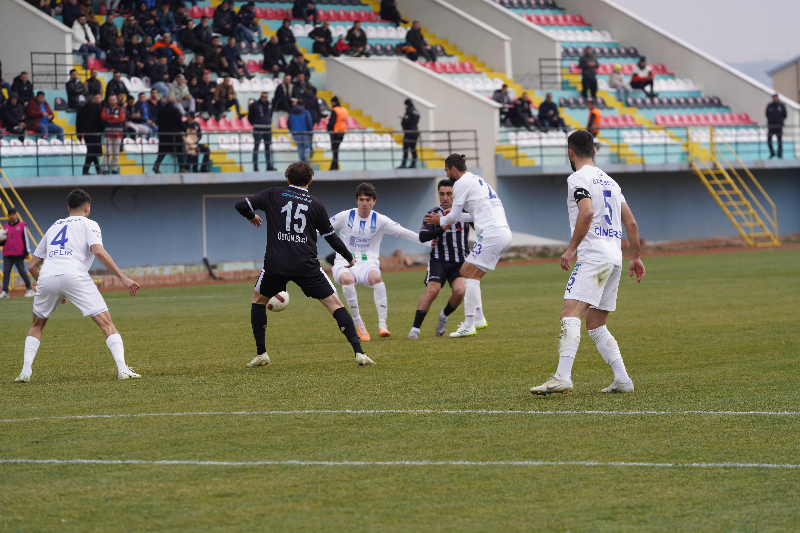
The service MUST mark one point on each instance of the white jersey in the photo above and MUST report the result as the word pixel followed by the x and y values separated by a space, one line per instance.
pixel 476 197
pixel 603 242
pixel 66 247
pixel 363 236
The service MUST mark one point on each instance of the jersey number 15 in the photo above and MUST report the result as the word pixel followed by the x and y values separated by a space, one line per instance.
pixel 298 215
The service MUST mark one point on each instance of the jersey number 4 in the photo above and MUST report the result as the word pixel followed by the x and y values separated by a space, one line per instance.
pixel 298 215
pixel 60 238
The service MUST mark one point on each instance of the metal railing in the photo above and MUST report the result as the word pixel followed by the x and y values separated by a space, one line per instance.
pixel 550 74
pixel 650 145
pixel 230 151
pixel 50 70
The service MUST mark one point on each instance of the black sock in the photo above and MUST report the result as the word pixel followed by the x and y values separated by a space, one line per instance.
pixel 448 309
pixel 348 328
pixel 258 319
pixel 418 319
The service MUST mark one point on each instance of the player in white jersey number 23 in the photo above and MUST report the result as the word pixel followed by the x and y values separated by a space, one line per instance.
pixel 60 266
pixel 597 212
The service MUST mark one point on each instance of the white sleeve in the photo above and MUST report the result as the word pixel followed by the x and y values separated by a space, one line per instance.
pixel 394 228
pixel 41 250
pixel 338 220
pixel 458 205
pixel 575 182
pixel 466 218
pixel 93 235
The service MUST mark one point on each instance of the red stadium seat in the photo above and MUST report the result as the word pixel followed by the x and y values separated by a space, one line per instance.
pixel 745 118
pixel 728 119
pixel 449 68
pixel 660 120
pixel 281 13
pixel 352 124
pixel 468 67
pixel 610 121
pixel 458 68
pixel 437 66
pixel 211 125
pixel 342 14
pixel 374 16
pixel 259 13
pixel 253 66
pixel 627 69
pixel 573 68
pixel 551 20
pixel 579 20
pixel 534 18
pixel 246 126
pixel 208 11
pixel 322 14
pixel 269 13
pixel 224 125
pixel 196 12
pixel 569 20
pixel 201 123
pixel 283 123
pixel 561 20
pixel 352 15
pixel 235 124
pixel 102 9
pixel 323 123
pixel 363 15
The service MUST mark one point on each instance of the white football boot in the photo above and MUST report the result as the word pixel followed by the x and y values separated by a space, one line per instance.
pixel 363 360
pixel 464 331
pixel 619 387
pixel 553 385
pixel 414 333
pixel 30 293
pixel 23 378
pixel 259 360
pixel 4 294
pixel 441 325
pixel 128 374
pixel 483 324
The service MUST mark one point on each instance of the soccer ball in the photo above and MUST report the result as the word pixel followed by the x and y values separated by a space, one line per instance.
pixel 279 302
pixel 3 236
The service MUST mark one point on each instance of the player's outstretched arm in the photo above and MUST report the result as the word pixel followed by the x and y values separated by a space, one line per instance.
pixel 105 260
pixel 632 229
pixel 399 231
pixel 582 225
pixel 245 208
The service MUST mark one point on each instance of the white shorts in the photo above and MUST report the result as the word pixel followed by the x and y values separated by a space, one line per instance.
pixel 79 290
pixel 489 248
pixel 360 271
pixel 594 283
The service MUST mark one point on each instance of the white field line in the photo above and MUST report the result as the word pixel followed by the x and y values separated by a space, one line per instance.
pixel 394 463
pixel 365 412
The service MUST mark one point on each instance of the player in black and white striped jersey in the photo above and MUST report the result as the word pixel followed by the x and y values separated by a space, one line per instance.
pixel 450 248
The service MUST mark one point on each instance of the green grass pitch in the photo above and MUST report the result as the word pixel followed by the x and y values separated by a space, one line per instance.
pixel 702 333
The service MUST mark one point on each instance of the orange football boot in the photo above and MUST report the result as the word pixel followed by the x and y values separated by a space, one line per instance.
pixel 383 332
pixel 363 334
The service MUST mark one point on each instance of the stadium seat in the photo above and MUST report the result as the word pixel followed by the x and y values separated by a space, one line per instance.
pixel 208 11
pixel 322 15
pixel 212 125
pixel 352 124
pixel 196 12
pixel 283 123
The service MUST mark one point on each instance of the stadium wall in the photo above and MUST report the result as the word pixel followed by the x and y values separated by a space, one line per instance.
pixel 25 29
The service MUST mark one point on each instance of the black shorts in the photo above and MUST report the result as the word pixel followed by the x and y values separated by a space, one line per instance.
pixel 315 284
pixel 441 271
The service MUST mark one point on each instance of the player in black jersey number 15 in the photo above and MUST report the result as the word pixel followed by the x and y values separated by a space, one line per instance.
pixel 294 218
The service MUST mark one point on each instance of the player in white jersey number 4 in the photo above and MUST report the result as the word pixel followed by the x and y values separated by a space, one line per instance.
pixel 473 195
pixel 362 230
pixel 60 266
pixel 597 212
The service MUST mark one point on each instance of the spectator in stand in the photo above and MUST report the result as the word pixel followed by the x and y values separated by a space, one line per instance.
pixel 337 127
pixel 273 57
pixel 410 125
pixel 13 115
pixel 83 40
pixel 141 114
pixel 113 117
pixel 284 94
pixel 193 147
pixel 87 11
pixel 177 66
pixel 179 91
pixel 89 125
pixel 301 84
pixel 39 117
pixel 188 38
pixel 166 47
pixel 235 61
pixel 226 97
pixel 118 60
pixel 150 23
pixel 521 114
pixel 642 77
pixel 142 12
pixel 23 87
pixel 309 98
pixel 215 61
pixel 154 103
pixel 595 119
pixel 93 85
pixel 139 56
pixel 390 12
pixel 196 68
pixel 202 97
pixel 70 11
pixel 166 20
pixel 286 39
pixel 108 33
pixel 76 91
pixel 298 66
pixel 248 29
pixel 181 17
pixel 414 38
pixel 203 31
pixel 588 66
pixel 776 115
pixel 209 87
pixel 357 39
pixel 341 46
pixel 323 40
pixel 224 20
pixel 260 116
pixel 170 134
pixel 135 121
pixel 3 84
pixel 116 86
pixel 501 97
pixel 301 126
pixel 616 81
pixel 549 116
pixel 16 248
pixel 45 7
pixel 111 5
pixel 159 76
pixel 131 27
pixel 303 9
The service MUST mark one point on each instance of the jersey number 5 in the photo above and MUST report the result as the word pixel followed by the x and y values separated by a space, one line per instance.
pixel 60 238
pixel 606 196
pixel 298 215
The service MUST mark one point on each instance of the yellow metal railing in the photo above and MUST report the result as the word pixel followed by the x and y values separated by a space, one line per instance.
pixel 5 203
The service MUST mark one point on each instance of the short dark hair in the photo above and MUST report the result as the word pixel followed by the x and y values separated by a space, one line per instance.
pixel 366 189
pixel 581 143
pixel 12 211
pixel 457 161
pixel 299 173
pixel 78 198
pixel 73 70
pixel 40 93
pixel 444 183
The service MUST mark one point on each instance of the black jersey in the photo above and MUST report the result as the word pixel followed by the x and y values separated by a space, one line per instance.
pixel 293 218
pixel 453 245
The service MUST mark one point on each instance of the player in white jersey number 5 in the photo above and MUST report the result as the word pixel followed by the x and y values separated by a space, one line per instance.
pixel 60 266
pixel 597 212
pixel 362 230
pixel 476 197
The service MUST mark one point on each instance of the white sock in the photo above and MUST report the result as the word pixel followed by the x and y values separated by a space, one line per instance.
pixel 31 347
pixel 415 330
pixel 381 303
pixel 568 342
pixel 351 296
pixel 609 350
pixel 472 301
pixel 114 343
